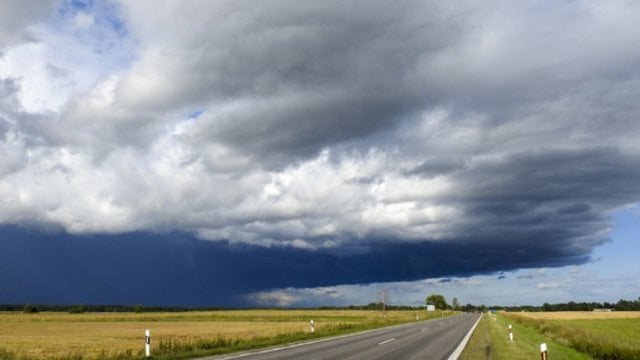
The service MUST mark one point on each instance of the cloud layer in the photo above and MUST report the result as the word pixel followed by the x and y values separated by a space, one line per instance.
pixel 431 139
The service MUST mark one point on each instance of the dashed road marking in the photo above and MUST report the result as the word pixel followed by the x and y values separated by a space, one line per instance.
pixel 387 341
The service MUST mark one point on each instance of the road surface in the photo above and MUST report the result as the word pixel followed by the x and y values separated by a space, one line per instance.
pixel 432 339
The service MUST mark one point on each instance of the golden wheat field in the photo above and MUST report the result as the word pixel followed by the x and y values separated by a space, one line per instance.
pixel 48 334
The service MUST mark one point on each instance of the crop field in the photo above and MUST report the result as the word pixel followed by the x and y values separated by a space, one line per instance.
pixel 580 315
pixel 50 335
pixel 601 335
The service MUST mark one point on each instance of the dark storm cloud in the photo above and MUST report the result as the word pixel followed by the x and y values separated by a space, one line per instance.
pixel 530 209
pixel 441 165
pixel 309 77
pixel 559 195
pixel 605 176
pixel 8 90
pixel 175 269
pixel 332 143
pixel 294 79
pixel 15 16
pixel 4 127
pixel 7 96
pixel 275 134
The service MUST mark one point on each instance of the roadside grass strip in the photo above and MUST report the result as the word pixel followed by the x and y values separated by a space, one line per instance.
pixel 491 341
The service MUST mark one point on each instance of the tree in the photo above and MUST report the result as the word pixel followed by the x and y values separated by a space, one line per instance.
pixel 29 309
pixel 437 300
pixel 469 308
pixel 455 304
pixel 80 309
pixel 383 300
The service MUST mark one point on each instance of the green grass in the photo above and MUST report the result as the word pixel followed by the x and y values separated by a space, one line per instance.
pixel 480 345
pixel 606 339
pixel 491 341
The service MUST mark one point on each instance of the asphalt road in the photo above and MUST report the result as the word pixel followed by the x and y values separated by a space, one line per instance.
pixel 432 339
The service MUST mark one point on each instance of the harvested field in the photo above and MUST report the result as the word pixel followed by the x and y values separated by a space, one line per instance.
pixel 98 335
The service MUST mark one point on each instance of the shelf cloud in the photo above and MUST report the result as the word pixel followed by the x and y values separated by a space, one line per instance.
pixel 289 145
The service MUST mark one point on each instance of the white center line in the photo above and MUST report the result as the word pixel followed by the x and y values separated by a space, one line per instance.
pixel 387 341
pixel 423 329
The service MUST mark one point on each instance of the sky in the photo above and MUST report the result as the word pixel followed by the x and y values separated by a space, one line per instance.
pixel 283 153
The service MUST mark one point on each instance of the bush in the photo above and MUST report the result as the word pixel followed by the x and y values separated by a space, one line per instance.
pixel 29 309
pixel 80 309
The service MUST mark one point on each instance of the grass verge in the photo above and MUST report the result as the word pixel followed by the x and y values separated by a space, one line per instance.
pixel 490 340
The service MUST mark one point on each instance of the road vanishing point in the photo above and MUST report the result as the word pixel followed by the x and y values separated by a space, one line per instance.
pixel 432 339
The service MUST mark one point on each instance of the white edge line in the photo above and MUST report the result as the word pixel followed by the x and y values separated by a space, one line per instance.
pixel 458 351
pixel 387 341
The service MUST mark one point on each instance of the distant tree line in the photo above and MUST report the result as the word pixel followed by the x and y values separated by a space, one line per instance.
pixel 35 308
pixel 76 309
pixel 621 305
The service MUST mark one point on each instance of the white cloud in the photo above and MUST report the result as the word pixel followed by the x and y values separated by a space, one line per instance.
pixel 549 285
pixel 83 20
pixel 71 54
pixel 273 298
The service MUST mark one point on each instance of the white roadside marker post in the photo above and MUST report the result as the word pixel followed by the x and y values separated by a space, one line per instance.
pixel 510 333
pixel 147 343
pixel 312 326
pixel 543 352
